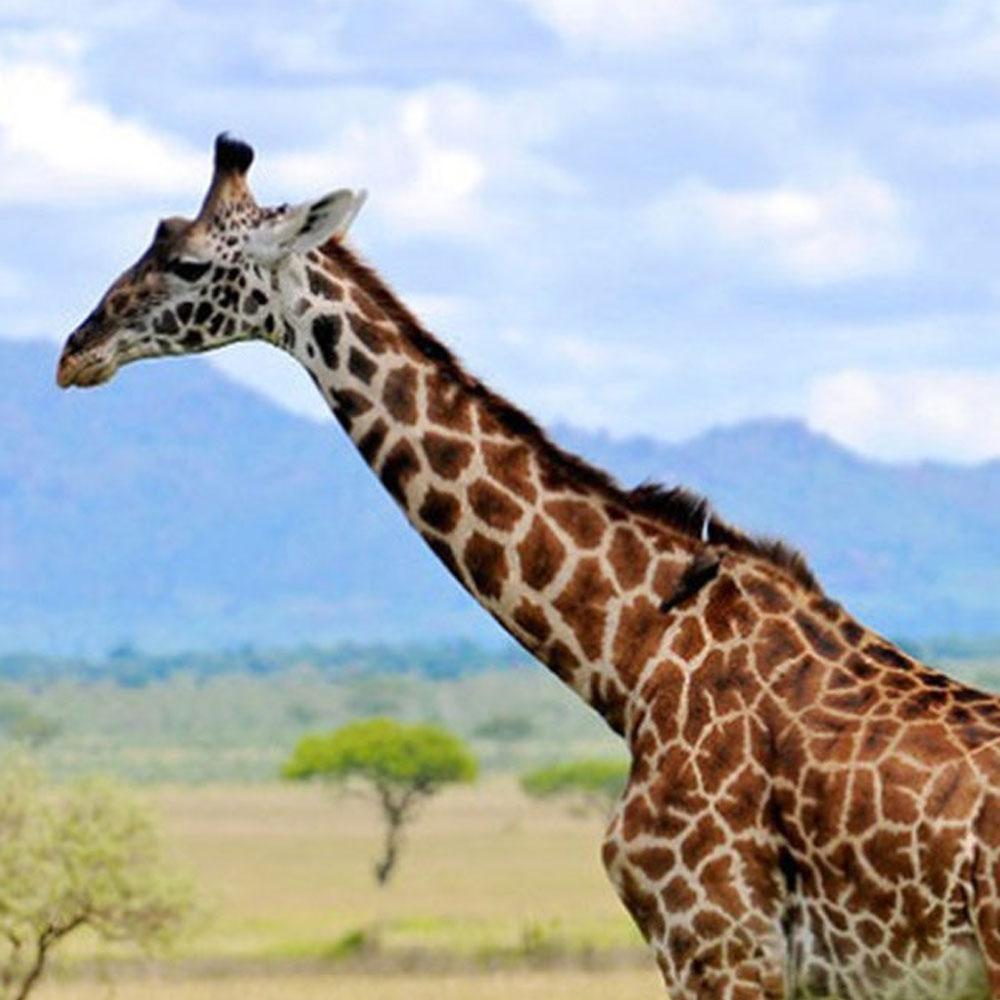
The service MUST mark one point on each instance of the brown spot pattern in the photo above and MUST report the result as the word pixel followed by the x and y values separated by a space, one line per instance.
pixel 776 643
pixel 321 284
pixel 638 638
pixel 690 639
pixel 799 684
pixel 448 403
pixel 629 558
pixel 486 563
pixel 368 308
pixel 448 456
pixel 373 439
pixel 582 605
pixel 494 506
pixel 360 365
pixel 823 640
pixel 531 617
pixel 766 594
pixel 727 613
pixel 400 466
pixel 440 511
pixel 400 394
pixel 352 403
pixel 579 520
pixel 377 341
pixel 510 466
pixel 540 554
pixel 561 660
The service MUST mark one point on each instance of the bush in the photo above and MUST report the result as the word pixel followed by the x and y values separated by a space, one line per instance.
pixel 505 728
pixel 590 784
pixel 20 723
pixel 82 855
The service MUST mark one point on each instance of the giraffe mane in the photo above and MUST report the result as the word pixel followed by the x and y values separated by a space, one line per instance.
pixel 679 508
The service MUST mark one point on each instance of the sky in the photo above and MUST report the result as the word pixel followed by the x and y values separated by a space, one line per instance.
pixel 644 216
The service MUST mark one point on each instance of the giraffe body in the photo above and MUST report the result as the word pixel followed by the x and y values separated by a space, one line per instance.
pixel 810 812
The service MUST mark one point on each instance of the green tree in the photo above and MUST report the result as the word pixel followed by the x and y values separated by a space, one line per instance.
pixel 81 855
pixel 592 784
pixel 402 764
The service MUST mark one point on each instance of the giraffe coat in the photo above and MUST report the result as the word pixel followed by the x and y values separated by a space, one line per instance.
pixel 810 812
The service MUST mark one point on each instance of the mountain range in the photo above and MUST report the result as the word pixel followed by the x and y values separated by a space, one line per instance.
pixel 174 509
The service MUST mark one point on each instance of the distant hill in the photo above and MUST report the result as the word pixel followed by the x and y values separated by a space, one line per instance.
pixel 174 509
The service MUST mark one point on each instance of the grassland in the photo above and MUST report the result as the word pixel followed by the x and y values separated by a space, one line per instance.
pixel 524 985
pixel 495 896
pixel 241 726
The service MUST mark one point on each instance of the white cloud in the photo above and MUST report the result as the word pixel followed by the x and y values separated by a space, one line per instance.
pixel 430 156
pixel 622 25
pixel 949 414
pixel 423 184
pixel 57 145
pixel 853 227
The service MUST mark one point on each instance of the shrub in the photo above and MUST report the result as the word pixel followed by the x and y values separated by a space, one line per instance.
pixel 81 855
pixel 590 784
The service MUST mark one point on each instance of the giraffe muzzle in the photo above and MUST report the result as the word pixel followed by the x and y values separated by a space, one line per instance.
pixel 83 362
pixel 83 373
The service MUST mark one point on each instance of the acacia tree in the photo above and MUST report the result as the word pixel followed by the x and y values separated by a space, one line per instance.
pixel 402 764
pixel 81 855
pixel 591 784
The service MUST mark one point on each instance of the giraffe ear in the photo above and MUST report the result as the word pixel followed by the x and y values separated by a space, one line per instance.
pixel 304 227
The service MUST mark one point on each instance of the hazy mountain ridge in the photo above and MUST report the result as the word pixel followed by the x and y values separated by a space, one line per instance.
pixel 175 509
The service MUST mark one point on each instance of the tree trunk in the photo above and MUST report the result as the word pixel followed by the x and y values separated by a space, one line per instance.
pixel 386 864
pixel 46 939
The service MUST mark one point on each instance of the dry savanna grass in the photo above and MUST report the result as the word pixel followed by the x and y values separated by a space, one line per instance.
pixel 287 870
pixel 486 876
pixel 524 985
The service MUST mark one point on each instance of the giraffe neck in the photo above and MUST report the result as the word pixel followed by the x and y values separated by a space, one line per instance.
pixel 526 529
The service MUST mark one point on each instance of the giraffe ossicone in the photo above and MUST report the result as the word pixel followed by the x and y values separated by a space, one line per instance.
pixel 810 812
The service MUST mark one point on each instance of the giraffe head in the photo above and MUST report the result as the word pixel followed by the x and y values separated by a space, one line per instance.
pixel 204 282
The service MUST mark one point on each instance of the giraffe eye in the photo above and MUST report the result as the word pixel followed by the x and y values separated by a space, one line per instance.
pixel 188 270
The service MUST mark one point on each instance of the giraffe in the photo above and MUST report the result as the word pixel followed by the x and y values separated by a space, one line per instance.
pixel 809 811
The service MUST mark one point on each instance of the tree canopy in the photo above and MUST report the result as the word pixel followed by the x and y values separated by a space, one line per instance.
pixel 81 855
pixel 383 751
pixel 402 763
